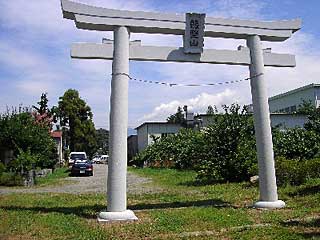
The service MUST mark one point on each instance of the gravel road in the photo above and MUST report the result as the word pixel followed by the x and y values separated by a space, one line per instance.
pixel 96 183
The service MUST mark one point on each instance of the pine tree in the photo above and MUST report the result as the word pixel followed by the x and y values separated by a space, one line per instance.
pixel 76 114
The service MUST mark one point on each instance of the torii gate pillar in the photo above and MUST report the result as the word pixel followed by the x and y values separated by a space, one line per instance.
pixel 267 177
pixel 117 167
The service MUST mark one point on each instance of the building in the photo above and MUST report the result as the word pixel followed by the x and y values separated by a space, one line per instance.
pixel 57 137
pixel 289 102
pixel 149 131
pixel 132 145
pixel 284 107
pixel 6 155
pixel 282 120
pixel 288 120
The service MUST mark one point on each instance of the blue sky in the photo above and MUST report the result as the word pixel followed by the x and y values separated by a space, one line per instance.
pixel 35 43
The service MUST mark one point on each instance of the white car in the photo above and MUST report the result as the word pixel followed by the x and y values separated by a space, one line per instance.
pixel 77 156
pixel 101 159
pixel 96 159
pixel 104 159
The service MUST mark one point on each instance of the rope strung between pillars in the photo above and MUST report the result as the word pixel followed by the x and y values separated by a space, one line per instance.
pixel 187 85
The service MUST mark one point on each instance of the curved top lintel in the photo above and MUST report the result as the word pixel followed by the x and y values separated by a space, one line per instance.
pixel 70 9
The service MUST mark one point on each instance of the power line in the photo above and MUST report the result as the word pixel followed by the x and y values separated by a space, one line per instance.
pixel 187 85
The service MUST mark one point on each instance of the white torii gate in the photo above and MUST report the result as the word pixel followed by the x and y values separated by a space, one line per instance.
pixel 121 50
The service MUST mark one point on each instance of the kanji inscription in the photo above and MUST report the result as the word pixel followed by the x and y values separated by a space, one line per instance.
pixel 194 33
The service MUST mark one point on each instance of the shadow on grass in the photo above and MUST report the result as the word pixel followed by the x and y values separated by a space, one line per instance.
pixel 303 223
pixel 310 235
pixel 217 203
pixel 308 190
pixel 196 183
pixel 312 227
pixel 88 212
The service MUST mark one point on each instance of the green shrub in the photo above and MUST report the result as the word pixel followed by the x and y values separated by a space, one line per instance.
pixel 224 151
pixel 2 168
pixel 188 148
pixel 296 143
pixel 183 151
pixel 296 172
pixel 313 123
pixel 230 147
pixel 19 130
pixel 11 179
pixel 313 168
pixel 24 162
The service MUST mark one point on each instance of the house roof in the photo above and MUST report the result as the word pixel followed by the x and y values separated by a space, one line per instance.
pixel 272 113
pixel 132 136
pixel 157 123
pixel 312 85
pixel 56 134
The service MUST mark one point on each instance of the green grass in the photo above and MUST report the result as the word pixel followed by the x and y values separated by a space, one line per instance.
pixel 181 210
pixel 56 178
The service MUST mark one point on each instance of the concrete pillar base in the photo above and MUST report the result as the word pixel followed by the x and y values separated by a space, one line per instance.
pixel 126 215
pixel 269 205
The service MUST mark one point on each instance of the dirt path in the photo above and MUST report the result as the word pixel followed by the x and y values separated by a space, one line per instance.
pixel 96 183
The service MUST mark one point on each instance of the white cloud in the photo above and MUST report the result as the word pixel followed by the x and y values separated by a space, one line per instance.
pixel 33 73
pixel 197 104
pixel 35 87
pixel 17 56
pixel 307 69
pixel 39 16
pixel 118 4
pixel 243 9
pixel 92 69
pixel 35 14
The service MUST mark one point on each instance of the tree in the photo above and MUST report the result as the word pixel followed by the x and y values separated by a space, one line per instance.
pixel 211 110
pixel 43 104
pixel 225 150
pixel 102 141
pixel 42 114
pixel 178 117
pixel 306 107
pixel 313 123
pixel 29 140
pixel 184 150
pixel 74 113
pixel 295 143
pixel 230 146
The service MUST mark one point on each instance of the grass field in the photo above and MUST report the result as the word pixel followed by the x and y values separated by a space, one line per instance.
pixel 56 178
pixel 182 210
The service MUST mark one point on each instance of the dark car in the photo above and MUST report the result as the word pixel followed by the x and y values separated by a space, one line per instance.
pixel 82 168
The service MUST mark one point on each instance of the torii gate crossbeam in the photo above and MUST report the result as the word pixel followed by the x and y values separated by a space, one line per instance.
pixel 171 54
pixel 124 22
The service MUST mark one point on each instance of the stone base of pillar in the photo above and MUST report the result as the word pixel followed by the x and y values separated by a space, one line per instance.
pixel 126 215
pixel 269 205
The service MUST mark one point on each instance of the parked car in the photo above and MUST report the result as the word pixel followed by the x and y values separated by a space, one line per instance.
pixel 101 159
pixel 77 156
pixel 82 168
pixel 104 159
pixel 96 159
